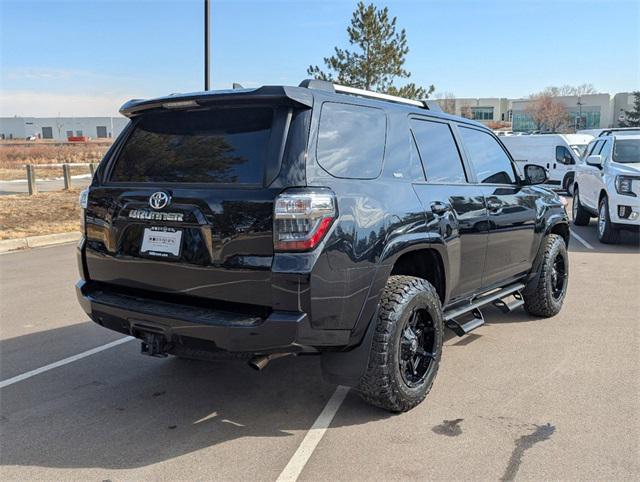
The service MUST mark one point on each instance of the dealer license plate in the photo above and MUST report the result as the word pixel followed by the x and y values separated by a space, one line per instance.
pixel 162 241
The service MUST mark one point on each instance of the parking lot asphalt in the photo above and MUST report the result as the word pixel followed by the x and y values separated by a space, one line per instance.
pixel 520 397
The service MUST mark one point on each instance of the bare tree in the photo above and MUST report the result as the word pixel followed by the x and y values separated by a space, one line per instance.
pixel 567 90
pixel 465 111
pixel 548 114
pixel 447 102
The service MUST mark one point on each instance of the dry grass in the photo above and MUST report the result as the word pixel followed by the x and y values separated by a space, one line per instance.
pixel 14 155
pixel 42 173
pixel 46 213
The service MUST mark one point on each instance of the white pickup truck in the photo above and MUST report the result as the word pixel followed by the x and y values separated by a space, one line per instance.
pixel 607 185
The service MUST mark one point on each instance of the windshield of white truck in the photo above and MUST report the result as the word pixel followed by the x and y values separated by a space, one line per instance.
pixel 626 151
pixel 579 149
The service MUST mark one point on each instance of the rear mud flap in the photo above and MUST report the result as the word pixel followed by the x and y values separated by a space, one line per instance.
pixel 347 367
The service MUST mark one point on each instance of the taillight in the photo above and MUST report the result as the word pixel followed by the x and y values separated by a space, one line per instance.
pixel 302 219
pixel 84 202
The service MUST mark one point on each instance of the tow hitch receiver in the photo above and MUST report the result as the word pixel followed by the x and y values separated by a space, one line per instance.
pixel 153 345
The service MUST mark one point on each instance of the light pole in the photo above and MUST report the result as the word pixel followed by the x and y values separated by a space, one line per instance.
pixel 579 113
pixel 206 45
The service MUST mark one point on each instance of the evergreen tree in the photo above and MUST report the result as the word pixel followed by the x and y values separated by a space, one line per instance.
pixel 378 58
pixel 632 117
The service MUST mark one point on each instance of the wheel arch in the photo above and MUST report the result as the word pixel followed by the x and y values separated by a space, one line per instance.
pixel 561 228
pixel 603 194
pixel 569 178
pixel 425 263
pixel 400 248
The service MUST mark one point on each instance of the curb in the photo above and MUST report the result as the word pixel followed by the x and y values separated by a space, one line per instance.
pixel 38 241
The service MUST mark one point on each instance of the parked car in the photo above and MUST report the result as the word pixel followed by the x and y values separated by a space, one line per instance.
pixel 607 185
pixel 558 153
pixel 318 219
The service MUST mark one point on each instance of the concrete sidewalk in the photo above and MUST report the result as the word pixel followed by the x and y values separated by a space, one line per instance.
pixel 38 241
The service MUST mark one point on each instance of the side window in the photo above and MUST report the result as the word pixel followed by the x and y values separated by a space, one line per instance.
pixel 491 163
pixel 563 156
pixel 351 140
pixel 438 151
pixel 596 148
pixel 605 151
pixel 401 160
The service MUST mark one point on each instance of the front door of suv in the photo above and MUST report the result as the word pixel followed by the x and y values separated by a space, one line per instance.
pixel 511 207
pixel 454 208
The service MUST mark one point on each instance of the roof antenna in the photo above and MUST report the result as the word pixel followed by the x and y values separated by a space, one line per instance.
pixel 237 86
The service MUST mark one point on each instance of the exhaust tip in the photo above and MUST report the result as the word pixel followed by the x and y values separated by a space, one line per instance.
pixel 258 363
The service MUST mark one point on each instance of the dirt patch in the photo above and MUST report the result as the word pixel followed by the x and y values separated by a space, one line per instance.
pixel 45 213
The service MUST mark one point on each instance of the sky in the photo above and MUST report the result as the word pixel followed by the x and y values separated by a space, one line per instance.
pixel 82 58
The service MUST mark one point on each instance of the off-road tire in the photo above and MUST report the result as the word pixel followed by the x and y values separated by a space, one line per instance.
pixel 382 384
pixel 538 295
pixel 608 235
pixel 581 217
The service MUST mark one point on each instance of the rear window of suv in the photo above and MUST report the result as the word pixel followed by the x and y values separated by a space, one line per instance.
pixel 221 145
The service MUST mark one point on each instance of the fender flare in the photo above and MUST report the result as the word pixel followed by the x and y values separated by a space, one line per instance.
pixel 571 175
pixel 347 367
pixel 399 245
pixel 534 274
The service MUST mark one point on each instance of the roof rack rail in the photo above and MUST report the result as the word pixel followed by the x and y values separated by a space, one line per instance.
pixel 344 89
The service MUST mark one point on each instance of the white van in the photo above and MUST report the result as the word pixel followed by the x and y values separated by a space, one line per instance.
pixel 558 153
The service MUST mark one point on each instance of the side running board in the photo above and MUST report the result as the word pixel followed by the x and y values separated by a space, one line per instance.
pixel 465 319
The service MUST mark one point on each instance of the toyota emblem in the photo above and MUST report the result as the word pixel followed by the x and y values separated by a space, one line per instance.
pixel 159 200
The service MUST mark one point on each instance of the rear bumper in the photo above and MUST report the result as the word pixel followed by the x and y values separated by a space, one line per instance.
pixel 281 331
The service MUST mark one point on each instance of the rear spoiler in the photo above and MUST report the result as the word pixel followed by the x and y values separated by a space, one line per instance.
pixel 292 95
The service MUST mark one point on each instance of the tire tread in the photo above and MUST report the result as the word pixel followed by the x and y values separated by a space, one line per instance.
pixel 378 385
pixel 538 298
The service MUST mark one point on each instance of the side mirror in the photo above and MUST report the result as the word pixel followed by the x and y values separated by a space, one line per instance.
pixel 534 174
pixel 595 160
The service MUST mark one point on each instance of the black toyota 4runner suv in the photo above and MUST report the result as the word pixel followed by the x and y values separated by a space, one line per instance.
pixel 317 219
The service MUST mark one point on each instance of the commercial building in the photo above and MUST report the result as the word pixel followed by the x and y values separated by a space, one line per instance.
pixel 486 110
pixel 590 111
pixel 60 128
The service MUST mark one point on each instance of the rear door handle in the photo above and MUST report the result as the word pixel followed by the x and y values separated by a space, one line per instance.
pixel 438 207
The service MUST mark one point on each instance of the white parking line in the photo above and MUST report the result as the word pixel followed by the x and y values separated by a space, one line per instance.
pixel 294 468
pixel 51 366
pixel 580 240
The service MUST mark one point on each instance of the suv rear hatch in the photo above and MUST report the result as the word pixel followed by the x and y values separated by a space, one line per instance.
pixel 182 205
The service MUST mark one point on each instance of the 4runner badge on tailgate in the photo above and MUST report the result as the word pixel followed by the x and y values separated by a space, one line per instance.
pixel 155 216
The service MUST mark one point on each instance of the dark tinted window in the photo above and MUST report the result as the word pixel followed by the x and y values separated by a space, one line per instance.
pixel 401 160
pixel 224 145
pixel 351 140
pixel 626 151
pixel 438 151
pixel 563 156
pixel 491 163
